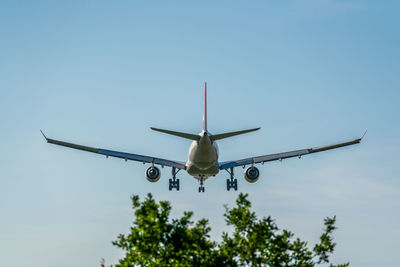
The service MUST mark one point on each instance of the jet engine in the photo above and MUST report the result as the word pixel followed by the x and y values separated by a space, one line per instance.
pixel 251 174
pixel 153 174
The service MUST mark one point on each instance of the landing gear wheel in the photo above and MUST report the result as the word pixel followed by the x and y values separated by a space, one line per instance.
pixel 201 187
pixel 174 183
pixel 232 182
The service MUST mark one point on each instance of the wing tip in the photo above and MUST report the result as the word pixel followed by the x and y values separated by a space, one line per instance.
pixel 45 137
pixel 363 135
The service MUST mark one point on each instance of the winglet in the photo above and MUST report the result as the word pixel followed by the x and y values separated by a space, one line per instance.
pixel 43 135
pixel 363 135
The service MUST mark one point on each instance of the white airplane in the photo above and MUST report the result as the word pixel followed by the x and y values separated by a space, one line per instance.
pixel 203 156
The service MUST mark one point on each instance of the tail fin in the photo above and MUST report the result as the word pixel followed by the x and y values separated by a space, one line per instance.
pixel 205 108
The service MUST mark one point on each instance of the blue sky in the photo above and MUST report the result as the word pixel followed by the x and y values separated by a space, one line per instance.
pixel 101 73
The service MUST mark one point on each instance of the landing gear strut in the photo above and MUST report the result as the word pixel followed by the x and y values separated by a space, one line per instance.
pixel 201 187
pixel 232 182
pixel 174 183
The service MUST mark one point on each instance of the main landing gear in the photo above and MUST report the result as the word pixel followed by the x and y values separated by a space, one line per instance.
pixel 174 183
pixel 201 187
pixel 232 182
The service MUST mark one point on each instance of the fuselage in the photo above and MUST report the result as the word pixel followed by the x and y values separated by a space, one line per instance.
pixel 203 157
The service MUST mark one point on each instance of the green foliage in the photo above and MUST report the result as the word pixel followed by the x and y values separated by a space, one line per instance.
pixel 157 240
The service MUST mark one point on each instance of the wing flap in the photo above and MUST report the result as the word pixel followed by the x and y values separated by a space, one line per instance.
pixel 262 159
pixel 141 158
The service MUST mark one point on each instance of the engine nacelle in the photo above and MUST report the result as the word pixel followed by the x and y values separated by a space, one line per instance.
pixel 251 174
pixel 153 174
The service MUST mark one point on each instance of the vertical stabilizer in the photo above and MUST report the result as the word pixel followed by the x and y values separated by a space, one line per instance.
pixel 205 108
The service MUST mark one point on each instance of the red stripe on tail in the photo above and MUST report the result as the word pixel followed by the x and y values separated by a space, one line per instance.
pixel 205 108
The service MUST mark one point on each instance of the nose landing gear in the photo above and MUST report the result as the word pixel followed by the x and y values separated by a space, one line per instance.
pixel 201 187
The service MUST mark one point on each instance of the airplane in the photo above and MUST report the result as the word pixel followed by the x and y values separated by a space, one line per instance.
pixel 203 161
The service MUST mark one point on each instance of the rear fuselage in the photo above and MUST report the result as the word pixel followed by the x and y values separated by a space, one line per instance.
pixel 203 157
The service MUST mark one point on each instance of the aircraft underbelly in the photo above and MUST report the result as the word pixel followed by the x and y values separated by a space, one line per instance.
pixel 203 160
pixel 204 173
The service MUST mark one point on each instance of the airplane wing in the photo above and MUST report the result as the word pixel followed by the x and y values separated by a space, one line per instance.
pixel 285 155
pixel 117 154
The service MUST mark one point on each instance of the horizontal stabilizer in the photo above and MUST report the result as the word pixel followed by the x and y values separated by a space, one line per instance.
pixel 225 135
pixel 180 134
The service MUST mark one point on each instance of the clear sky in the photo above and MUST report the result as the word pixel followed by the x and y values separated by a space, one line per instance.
pixel 100 73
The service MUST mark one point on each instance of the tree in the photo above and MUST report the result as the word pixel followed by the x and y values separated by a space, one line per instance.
pixel 157 240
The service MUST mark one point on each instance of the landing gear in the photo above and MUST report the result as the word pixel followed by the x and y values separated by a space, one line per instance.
pixel 201 187
pixel 232 182
pixel 174 183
